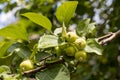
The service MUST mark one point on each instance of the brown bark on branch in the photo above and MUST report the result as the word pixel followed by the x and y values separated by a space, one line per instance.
pixel 108 37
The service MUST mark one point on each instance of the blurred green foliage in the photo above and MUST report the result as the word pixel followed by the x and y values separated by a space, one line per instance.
pixel 104 67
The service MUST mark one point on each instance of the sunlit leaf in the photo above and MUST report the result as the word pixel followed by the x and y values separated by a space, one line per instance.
pixel 48 41
pixel 93 47
pixel 65 12
pixel 57 31
pixel 39 19
pixel 14 31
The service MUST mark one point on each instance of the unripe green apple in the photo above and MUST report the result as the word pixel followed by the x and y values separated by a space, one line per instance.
pixel 71 37
pixel 81 56
pixel 57 51
pixel 26 65
pixel 80 43
pixel 70 51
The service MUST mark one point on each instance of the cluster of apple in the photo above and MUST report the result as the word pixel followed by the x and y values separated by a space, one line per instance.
pixel 74 48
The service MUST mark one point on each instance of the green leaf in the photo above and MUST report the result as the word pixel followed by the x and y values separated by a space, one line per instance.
pixel 91 29
pixel 93 47
pixel 58 31
pixel 40 55
pixel 5 76
pixel 55 72
pixel 4 47
pixel 3 1
pixel 14 31
pixel 4 69
pixel 47 41
pixel 85 28
pixel 5 56
pixel 7 60
pixel 82 27
pixel 65 12
pixel 39 19
pixel 17 49
pixel 21 50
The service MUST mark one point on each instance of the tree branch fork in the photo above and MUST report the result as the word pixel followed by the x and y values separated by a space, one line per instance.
pixel 108 37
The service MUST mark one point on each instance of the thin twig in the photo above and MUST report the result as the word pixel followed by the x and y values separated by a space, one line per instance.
pixel 34 70
pixel 108 37
pixel 105 36
pixel 46 57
